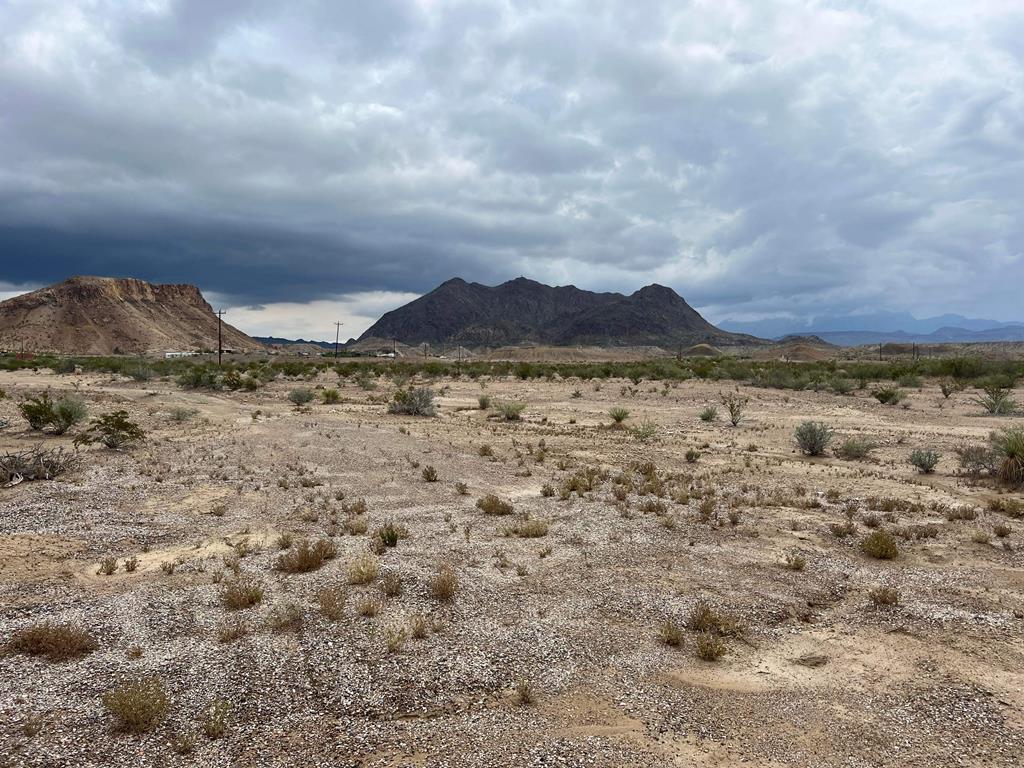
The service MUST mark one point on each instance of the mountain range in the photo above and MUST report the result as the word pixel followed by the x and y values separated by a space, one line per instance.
pixel 884 327
pixel 525 311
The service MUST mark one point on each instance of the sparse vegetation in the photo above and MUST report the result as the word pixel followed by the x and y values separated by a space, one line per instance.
pixel 300 396
pixel 415 401
pixel 511 410
pixel 492 505
pixel 709 413
pixel 618 415
pixel 813 437
pixel 241 593
pixel 1008 446
pixel 880 545
pixel 138 705
pixel 924 460
pixel 114 430
pixel 736 405
pixel 444 584
pixel 55 642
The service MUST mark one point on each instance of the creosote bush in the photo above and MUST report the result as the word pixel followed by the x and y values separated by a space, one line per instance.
pixel 139 705
pixel 301 396
pixel 415 401
pixel 813 437
pixel 492 505
pixel 55 642
pixel 709 647
pixel 114 430
pixel 880 545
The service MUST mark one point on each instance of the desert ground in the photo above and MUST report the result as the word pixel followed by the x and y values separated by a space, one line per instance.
pixel 565 633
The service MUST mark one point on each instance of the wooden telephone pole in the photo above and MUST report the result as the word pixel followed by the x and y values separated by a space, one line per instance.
pixel 337 333
pixel 220 344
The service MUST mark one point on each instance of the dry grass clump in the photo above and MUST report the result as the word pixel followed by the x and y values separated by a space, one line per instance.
pixel 704 618
pixel 368 607
pixel 396 637
pixel 241 593
pixel 419 626
pixel 214 719
pixel 880 545
pixel 444 584
pixel 57 642
pixel 139 705
pixel 884 596
pixel 332 602
pixel 230 631
pixel 524 692
pixel 306 556
pixel 709 647
pixel 795 561
pixel 529 529
pixel 364 569
pixel 391 584
pixel 671 633
pixel 286 617
pixel 842 530
pixel 492 505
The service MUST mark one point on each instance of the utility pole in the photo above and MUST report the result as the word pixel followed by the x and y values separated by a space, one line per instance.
pixel 220 344
pixel 337 334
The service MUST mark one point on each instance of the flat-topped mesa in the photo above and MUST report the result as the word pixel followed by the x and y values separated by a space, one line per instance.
pixel 88 315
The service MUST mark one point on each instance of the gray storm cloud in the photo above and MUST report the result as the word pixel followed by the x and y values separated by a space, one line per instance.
pixel 760 157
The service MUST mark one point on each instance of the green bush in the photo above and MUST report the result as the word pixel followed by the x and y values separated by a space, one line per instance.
pixel 735 405
pixel 709 413
pixel 114 430
pixel 813 437
pixel 416 401
pixel 924 460
pixel 880 545
pixel 854 448
pixel 138 705
pixel 618 414
pixel 300 396
pixel 67 412
pixel 330 396
pixel 511 410
pixel 38 411
pixel 889 396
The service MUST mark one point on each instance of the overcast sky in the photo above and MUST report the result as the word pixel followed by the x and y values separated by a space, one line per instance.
pixel 308 161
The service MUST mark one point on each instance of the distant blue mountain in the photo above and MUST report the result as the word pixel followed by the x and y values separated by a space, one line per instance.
pixel 881 327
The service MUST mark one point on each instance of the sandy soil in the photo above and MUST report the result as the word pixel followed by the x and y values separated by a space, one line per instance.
pixel 818 675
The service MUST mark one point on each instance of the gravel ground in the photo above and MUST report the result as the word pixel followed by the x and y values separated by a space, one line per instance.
pixel 815 676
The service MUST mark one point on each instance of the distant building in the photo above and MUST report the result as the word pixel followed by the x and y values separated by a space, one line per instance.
pixel 180 354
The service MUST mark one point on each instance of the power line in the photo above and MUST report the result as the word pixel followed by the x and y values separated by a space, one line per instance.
pixel 337 333
pixel 220 344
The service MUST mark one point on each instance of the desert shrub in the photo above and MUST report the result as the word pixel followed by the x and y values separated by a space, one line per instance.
pixel 709 647
pixel 485 450
pixel 214 719
pixel 484 402
pixel 492 505
pixel 888 396
pixel 813 437
pixel 996 400
pixel 644 431
pixel 924 460
pixel 704 618
pixel 429 474
pixel 735 405
pixel 415 401
pixel 240 594
pixel 114 430
pixel 138 705
pixel 884 596
pixel 618 414
pixel 108 566
pixel 795 561
pixel 842 530
pixel 306 556
pixel 531 529
pixel 709 413
pixel 368 606
pixel 671 633
pixel 1008 445
pixel 692 456
pixel 389 534
pixel 461 488
pixel 364 569
pixel 56 642
pixel 67 412
pixel 1001 530
pixel 854 448
pixel 180 414
pixel 391 584
pixel 301 396
pixel 880 545
pixel 977 460
pixel 330 396
pixel 524 694
pixel 511 410
pixel 842 386
pixel 444 584
pixel 199 377
pixel 285 617
pixel 230 631
pixel 547 490
pixel 38 411
pixel 332 602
